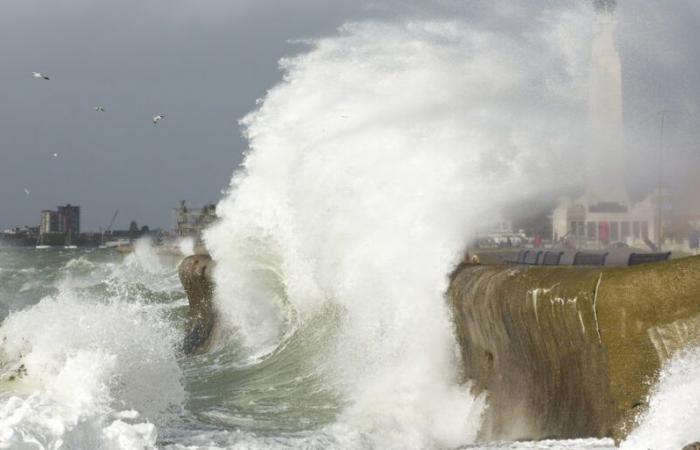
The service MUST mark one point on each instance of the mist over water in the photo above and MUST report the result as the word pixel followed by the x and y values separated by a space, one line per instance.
pixel 370 167
pixel 372 164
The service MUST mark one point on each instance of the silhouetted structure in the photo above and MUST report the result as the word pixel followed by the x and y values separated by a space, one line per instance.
pixel 192 222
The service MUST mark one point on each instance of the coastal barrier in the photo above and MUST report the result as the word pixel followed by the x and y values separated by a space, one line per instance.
pixel 562 351
pixel 196 277
pixel 568 352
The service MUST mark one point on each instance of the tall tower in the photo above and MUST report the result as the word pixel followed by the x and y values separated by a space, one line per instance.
pixel 606 162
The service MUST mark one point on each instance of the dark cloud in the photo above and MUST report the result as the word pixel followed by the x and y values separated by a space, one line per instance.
pixel 204 63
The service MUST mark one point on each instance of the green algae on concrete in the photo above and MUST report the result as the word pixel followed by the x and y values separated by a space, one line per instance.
pixel 568 352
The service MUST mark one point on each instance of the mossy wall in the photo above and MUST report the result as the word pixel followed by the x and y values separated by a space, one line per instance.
pixel 567 352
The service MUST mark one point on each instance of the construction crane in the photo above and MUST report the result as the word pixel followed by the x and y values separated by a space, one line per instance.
pixel 109 227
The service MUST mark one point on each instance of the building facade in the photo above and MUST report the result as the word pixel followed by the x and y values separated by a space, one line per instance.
pixel 604 215
pixel 69 219
pixel 587 224
pixel 191 222
pixel 66 219
pixel 49 221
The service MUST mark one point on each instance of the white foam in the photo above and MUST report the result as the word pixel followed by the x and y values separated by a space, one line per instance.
pixel 70 365
pixel 370 168
pixel 186 246
pixel 672 420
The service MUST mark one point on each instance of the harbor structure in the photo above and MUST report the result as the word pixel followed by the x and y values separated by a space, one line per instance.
pixel 604 215
pixel 191 222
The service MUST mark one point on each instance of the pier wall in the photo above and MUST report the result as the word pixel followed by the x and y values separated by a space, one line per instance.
pixel 562 352
pixel 567 352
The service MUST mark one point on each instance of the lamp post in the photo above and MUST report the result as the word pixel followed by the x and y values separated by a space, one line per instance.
pixel 659 206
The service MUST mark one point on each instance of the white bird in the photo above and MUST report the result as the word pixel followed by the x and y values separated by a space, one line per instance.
pixel 99 108
pixel 39 76
pixel 157 119
pixel 26 191
pixel 55 155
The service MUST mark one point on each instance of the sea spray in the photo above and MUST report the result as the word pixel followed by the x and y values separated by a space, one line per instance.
pixel 370 168
pixel 80 370
pixel 672 419
pixel 186 246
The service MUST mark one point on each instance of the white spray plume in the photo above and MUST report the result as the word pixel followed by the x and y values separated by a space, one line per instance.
pixel 673 418
pixel 371 166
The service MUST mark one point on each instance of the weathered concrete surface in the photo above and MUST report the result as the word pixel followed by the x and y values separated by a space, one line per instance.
pixel 196 276
pixel 571 352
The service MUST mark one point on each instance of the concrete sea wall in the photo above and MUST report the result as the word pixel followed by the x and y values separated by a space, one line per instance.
pixel 197 279
pixel 563 352
pixel 571 352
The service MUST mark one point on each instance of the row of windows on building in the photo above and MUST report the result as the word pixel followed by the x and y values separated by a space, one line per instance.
pixel 65 219
pixel 610 231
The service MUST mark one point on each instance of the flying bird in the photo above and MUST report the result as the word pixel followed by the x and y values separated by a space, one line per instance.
pixel 26 191
pixel 39 76
pixel 55 155
pixel 99 108
pixel 157 119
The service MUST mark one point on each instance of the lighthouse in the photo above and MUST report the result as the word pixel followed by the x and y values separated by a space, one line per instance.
pixel 604 215
pixel 605 180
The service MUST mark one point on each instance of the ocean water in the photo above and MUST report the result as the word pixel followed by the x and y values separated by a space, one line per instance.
pixel 90 360
pixel 371 166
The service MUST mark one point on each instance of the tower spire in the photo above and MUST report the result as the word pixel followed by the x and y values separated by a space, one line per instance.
pixel 605 178
pixel 606 6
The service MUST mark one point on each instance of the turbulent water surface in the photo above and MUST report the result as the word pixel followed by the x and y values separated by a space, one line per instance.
pixel 90 360
pixel 371 165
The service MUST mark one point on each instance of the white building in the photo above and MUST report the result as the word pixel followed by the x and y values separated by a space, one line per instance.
pixel 600 224
pixel 604 215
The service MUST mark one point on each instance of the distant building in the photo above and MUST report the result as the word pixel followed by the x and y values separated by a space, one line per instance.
pixel 19 236
pixel 66 219
pixel 590 224
pixel 49 222
pixel 193 221
pixel 604 215
pixel 69 219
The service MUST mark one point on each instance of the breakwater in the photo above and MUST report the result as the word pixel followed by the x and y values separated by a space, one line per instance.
pixel 196 277
pixel 563 352
pixel 567 352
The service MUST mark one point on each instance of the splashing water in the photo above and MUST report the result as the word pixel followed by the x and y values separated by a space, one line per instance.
pixel 672 420
pixel 80 371
pixel 370 167
pixel 186 246
pixel 362 194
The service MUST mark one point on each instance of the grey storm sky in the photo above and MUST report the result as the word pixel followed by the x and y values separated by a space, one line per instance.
pixel 203 64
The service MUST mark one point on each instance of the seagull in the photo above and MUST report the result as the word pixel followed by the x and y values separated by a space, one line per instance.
pixel 99 108
pixel 26 191
pixel 39 76
pixel 157 119
pixel 55 155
